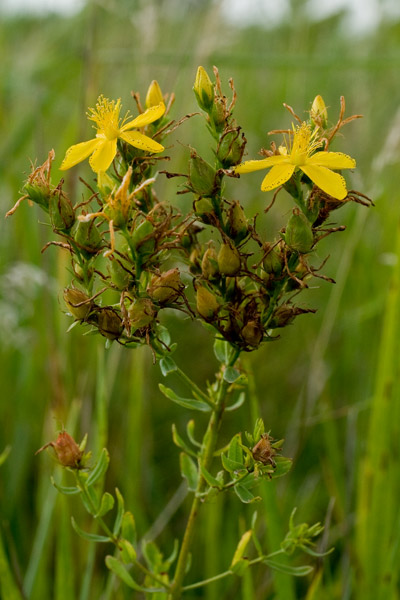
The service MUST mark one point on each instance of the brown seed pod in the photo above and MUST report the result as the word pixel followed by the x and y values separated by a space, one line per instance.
pixel 263 451
pixel 67 450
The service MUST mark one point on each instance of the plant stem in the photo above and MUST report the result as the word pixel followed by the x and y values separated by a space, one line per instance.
pixel 206 456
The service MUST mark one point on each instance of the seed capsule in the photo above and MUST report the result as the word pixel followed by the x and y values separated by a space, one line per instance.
pixel 228 260
pixel 88 237
pixel 141 313
pixel 209 264
pixel 201 175
pixel 207 304
pixel 62 214
pixel 165 287
pixel 77 302
pixel 66 449
pixel 263 451
pixel 299 235
pixel 109 323
pixel 252 333
pixel 237 222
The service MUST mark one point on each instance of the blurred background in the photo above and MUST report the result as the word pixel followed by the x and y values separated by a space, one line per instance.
pixel 329 386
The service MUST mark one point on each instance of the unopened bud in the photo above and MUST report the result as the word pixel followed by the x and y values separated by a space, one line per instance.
pixel 218 113
pixel 237 222
pixel 207 304
pixel 62 214
pixel 141 313
pixel 109 323
pixel 201 176
pixel 228 260
pixel 252 333
pixel 88 237
pixel 231 148
pixel 209 264
pixel 272 262
pixel 299 235
pixel 318 112
pixel 66 449
pixel 165 287
pixel 154 95
pixel 203 89
pixel 77 302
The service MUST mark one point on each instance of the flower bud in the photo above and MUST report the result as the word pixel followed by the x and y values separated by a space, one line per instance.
pixel 62 214
pixel 237 222
pixel 203 89
pixel 120 277
pixel 77 302
pixel 154 95
pixel 231 148
pixel 165 287
pixel 218 113
pixel 109 323
pixel 209 264
pixel 272 262
pixel 66 449
pixel 299 235
pixel 252 333
pixel 201 176
pixel 141 313
pixel 318 112
pixel 228 260
pixel 207 304
pixel 88 237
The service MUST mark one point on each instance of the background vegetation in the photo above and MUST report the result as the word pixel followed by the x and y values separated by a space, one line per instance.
pixel 329 386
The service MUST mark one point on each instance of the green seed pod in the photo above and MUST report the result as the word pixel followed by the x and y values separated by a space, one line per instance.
pixel 218 113
pixel 141 313
pixel 231 148
pixel 204 209
pixel 299 235
pixel 88 237
pixel 120 277
pixel 203 89
pixel 62 214
pixel 207 304
pixel 272 262
pixel 283 316
pixel 237 222
pixel 228 260
pixel 209 264
pixel 165 287
pixel 140 232
pixel 109 323
pixel 201 176
pixel 77 303
pixel 252 333
pixel 39 194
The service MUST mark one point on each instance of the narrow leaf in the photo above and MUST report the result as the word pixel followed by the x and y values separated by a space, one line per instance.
pixel 178 441
pixel 91 537
pixel 211 480
pixel 230 465
pixel 287 569
pixel 238 403
pixel 107 503
pixel 190 433
pixel 167 365
pixel 189 471
pixel 231 374
pixel 223 351
pixel 245 495
pixel 128 527
pixel 235 452
pixel 100 468
pixel 68 491
pixel 190 403
pixel 118 568
pixel 120 512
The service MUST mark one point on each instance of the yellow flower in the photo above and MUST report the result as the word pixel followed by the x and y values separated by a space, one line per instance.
pixel 301 155
pixel 110 128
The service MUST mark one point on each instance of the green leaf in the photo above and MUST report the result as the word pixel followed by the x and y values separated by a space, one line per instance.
pixel 128 552
pixel 120 571
pixel 107 503
pixel 68 491
pixel 210 479
pixel 153 556
pixel 190 433
pixel 190 403
pixel 128 527
pixel 120 512
pixel 241 548
pixel 287 569
pixel 230 465
pixel 167 365
pixel 189 471
pixel 235 452
pixel 178 441
pixel 283 466
pixel 100 468
pixel 8 585
pixel 91 537
pixel 238 403
pixel 223 351
pixel 245 495
pixel 231 374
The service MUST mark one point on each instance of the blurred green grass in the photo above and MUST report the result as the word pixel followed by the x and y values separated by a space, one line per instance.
pixel 314 387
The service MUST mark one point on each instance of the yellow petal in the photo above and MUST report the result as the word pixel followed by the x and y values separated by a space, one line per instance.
pixel 256 165
pixel 143 142
pixel 278 175
pixel 328 181
pixel 75 154
pixel 103 156
pixel 332 160
pixel 151 114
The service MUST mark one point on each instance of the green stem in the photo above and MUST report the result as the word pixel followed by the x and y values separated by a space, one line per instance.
pixel 206 456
